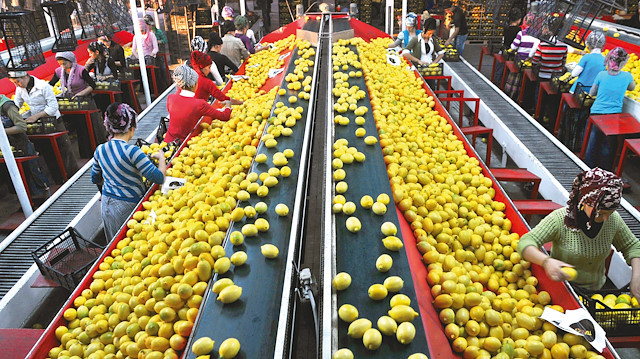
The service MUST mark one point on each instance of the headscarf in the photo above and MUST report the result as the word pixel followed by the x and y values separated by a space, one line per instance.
pixel 185 77
pixel 101 62
pixel 198 44
pixel 119 118
pixel 411 19
pixel 597 188
pixel 616 59
pixel 227 11
pixel 64 80
pixel 148 19
pixel 200 60
pixel 528 20
pixel 241 22
pixel 146 38
pixel 596 40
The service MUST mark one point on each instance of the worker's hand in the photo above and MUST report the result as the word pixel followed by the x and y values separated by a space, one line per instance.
pixel 236 102
pixel 158 155
pixel 31 119
pixel 634 287
pixel 553 267
pixel 446 43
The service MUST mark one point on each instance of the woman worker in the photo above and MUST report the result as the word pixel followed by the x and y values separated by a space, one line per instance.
pixel 609 87
pixel 406 35
pixel 76 82
pixel 221 61
pixel 582 233
pixel 198 44
pixel 16 127
pixel 201 64
pixel 103 67
pixel 119 168
pixel 184 109
pixel 424 50
pixel 38 94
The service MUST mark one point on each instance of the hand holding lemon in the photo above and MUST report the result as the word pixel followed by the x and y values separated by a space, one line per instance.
pixel 558 270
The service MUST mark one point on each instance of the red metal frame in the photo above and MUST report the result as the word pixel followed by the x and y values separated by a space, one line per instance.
pixel 87 120
pixel 19 161
pixel 460 93
pixel 483 51
pixel 632 144
pixel 496 58
pixel 545 88
pixel 618 124
pixel 518 175
pixel 508 66
pixel 439 79
pixel 570 101
pixel 53 140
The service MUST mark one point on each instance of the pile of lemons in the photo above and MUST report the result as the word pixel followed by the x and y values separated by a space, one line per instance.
pixel 485 292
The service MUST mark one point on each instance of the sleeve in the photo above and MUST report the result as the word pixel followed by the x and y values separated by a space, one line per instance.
pixel 244 52
pixel 516 42
pixel 412 45
pixel 112 66
pixel 54 80
pixel 162 38
pixel 215 92
pixel 146 167
pixel 17 99
pixel 548 230
pixel 134 47
pixel 577 71
pixel 13 112
pixel 436 47
pixel 216 74
pixel 537 56
pixel 583 61
pixel 96 171
pixel 208 110
pixel 52 102
pixel 120 55
pixel 88 79
pixel 456 19
pixel 154 42
pixel 90 66
pixel 625 242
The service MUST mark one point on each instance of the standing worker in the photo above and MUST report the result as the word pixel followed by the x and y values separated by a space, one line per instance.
pixel 459 21
pixel 119 168
pixel 406 35
pixel 582 233
pixel 232 47
pixel 221 61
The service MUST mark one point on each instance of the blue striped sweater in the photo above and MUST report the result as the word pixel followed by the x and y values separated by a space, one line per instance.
pixel 122 167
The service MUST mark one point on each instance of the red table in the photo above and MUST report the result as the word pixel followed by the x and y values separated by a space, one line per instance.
pixel 134 99
pixel 87 118
pixel 518 175
pixel 497 58
pixel 573 104
pixel 438 79
pixel 484 51
pixel 528 75
pixel 112 94
pixel 19 161
pixel 545 88
pixel 619 124
pixel 512 68
pixel 632 144
pixel 153 76
pixel 53 140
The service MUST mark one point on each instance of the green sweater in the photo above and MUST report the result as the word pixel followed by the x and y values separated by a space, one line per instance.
pixel 576 248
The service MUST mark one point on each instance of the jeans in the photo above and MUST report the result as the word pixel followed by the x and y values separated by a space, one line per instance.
pixel 601 150
pixel 114 214
pixel 460 40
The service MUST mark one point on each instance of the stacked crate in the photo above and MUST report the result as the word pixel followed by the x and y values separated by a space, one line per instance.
pixel 178 34
pixel 285 15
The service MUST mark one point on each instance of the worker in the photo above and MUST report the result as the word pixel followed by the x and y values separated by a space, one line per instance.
pixel 232 47
pixel 592 63
pixel 38 94
pixel 198 44
pixel 459 22
pixel 221 61
pixel 149 44
pixel 15 127
pixel 76 83
pixel 119 169
pixel 163 67
pixel 242 28
pixel 103 66
pixel 184 109
pixel 508 35
pixel 582 233
pixel 634 20
pixel 406 35
pixel 160 35
pixel 609 87
pixel 202 65
pixel 525 46
pixel 116 52
pixel 424 50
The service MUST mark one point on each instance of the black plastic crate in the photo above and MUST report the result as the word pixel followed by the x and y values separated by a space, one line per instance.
pixel 108 85
pixel 560 82
pixel 42 126
pixel 16 153
pixel 20 35
pixel 77 103
pixel 582 95
pixel 523 65
pixel 430 70
pixel 616 322
pixel 67 258
pixel 451 54
pixel 162 129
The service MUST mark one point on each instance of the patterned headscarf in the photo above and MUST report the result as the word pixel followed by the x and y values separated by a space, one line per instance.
pixel 200 60
pixel 198 44
pixel 411 19
pixel 528 20
pixel 227 12
pixel 119 118
pixel 64 80
pixel 616 59
pixel 597 188
pixel 185 77
pixel 596 40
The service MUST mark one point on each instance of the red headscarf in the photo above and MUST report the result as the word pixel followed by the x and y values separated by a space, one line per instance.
pixel 597 188
pixel 200 60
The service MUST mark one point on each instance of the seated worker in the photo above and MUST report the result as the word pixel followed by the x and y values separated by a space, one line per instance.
pixel 406 35
pixel 198 44
pixel 423 49
pixel 232 47
pixel 119 168
pixel 590 64
pixel 184 109
pixel 75 82
pixel 582 233
pixel 242 26
pixel 221 61
pixel 116 52
pixel 609 87
pixel 149 44
pixel 201 63
pixel 102 65
pixel 38 94
pixel 15 127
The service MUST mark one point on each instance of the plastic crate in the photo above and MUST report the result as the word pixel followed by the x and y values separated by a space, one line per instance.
pixel 582 96
pixel 523 65
pixel 77 103
pixel 616 322
pixel 429 70
pixel 16 153
pixel 42 126
pixel 108 85
pixel 509 54
pixel 162 128
pixel 66 259
pixel 560 85
pixel 451 54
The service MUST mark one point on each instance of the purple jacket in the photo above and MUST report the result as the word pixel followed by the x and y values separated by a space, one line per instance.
pixel 77 84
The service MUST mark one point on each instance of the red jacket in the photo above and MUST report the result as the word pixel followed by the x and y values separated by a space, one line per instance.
pixel 207 88
pixel 185 111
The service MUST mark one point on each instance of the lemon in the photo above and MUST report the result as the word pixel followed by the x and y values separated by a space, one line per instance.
pixel 570 272
pixel 402 313
pixel 393 284
pixel 366 201
pixel 358 327
pixel 372 339
pixel 262 225
pixel 202 346
pixel 229 348
pixel 236 238
pixel 405 333
pixel 239 258
pixel 230 294
pixel 282 209
pixel 387 325
pixel 341 187
pixel 250 230
pixel 222 265
pixel 348 313
pixel 392 243
pixel 221 284
pixel 384 263
pixel 70 314
pixel 383 198
pixel 360 121
pixel 353 224
pixel 377 292
pixel 339 174
pixel 343 353
pixel 388 229
pixel 370 140
pixel 349 208
pixel 400 299
pixel 285 171
pixel 337 208
pixel 261 158
pixel 379 208
pixel 269 251
pixel 261 207
pixel 360 132
pixel 341 281
pixel 417 356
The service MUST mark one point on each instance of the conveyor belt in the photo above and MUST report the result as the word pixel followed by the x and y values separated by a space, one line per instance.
pixel 558 163
pixel 15 257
